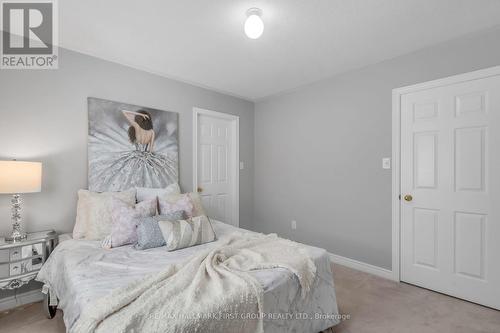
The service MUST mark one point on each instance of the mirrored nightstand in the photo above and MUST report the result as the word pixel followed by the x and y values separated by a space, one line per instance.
pixel 20 261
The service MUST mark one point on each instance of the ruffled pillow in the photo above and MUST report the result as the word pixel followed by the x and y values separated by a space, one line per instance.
pixel 188 202
pixel 124 221
pixel 173 203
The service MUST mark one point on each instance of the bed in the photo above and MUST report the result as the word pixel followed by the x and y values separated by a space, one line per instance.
pixel 79 272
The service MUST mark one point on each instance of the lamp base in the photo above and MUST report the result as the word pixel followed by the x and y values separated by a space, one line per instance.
pixel 16 238
pixel 16 235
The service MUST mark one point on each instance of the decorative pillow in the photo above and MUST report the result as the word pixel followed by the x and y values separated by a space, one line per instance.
pixel 93 213
pixel 185 233
pixel 170 202
pixel 124 218
pixel 149 233
pixel 198 207
pixel 173 203
pixel 146 193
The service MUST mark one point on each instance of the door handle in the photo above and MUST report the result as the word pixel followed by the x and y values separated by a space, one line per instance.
pixel 199 190
pixel 408 197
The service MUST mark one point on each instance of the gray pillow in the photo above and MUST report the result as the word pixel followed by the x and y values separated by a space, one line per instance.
pixel 149 233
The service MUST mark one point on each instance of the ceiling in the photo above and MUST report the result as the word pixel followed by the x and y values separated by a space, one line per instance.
pixel 202 42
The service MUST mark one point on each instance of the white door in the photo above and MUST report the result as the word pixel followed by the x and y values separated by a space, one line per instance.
pixel 216 164
pixel 450 166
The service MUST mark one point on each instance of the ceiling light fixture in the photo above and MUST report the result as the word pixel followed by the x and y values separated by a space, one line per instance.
pixel 254 26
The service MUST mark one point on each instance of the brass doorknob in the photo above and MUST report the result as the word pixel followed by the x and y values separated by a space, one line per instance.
pixel 408 197
pixel 200 190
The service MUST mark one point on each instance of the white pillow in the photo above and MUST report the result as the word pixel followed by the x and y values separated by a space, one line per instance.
pixel 186 233
pixel 93 213
pixel 147 193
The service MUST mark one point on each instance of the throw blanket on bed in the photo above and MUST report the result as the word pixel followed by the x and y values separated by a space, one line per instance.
pixel 211 292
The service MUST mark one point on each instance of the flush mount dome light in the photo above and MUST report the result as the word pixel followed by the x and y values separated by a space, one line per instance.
pixel 254 26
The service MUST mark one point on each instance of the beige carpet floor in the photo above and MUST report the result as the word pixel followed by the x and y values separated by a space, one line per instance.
pixel 375 305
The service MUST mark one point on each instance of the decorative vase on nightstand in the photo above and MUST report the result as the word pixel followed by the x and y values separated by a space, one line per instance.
pixel 18 177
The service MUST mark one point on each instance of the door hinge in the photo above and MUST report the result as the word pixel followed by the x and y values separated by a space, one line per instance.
pixel 399 196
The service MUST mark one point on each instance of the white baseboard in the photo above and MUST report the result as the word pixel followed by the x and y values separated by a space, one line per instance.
pixel 28 297
pixel 363 267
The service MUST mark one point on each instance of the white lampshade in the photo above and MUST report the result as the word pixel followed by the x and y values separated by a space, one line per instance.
pixel 20 177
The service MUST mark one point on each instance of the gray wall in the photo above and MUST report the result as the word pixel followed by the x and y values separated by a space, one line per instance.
pixel 44 118
pixel 318 150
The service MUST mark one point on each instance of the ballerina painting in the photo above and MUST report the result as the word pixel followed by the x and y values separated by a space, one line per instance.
pixel 131 146
pixel 141 130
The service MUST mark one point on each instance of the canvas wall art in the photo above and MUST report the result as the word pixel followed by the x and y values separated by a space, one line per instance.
pixel 131 146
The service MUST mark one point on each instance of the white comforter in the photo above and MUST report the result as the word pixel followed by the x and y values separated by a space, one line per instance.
pixel 80 272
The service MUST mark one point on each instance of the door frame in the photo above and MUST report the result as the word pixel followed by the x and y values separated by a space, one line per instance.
pixel 235 121
pixel 397 244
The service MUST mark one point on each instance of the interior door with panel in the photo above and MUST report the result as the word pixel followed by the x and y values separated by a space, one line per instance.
pixel 450 183
pixel 216 163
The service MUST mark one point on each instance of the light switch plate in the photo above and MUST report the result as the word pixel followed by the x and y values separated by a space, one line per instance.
pixel 242 165
pixel 386 163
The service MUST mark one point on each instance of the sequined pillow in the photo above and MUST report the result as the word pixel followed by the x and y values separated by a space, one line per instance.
pixel 149 233
pixel 124 221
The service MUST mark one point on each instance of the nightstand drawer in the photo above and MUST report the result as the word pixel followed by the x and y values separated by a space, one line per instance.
pixel 15 254
pixel 15 269
pixel 26 266
pixel 33 250
pixel 4 271
pixel 4 255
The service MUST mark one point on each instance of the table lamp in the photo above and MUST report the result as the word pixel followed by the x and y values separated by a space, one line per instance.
pixel 18 177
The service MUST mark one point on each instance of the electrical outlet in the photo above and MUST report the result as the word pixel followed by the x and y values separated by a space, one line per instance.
pixel 293 224
pixel 386 163
pixel 242 165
